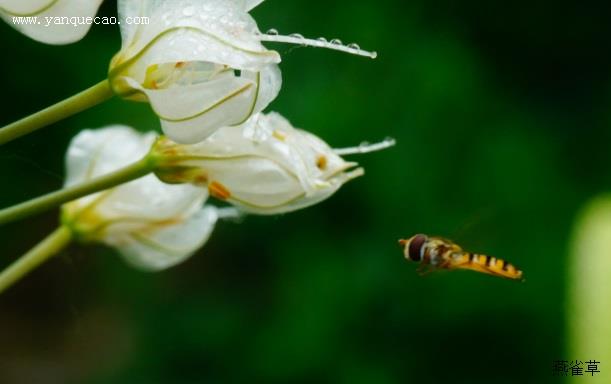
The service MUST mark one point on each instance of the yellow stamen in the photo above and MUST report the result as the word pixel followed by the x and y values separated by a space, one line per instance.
pixel 322 162
pixel 279 135
pixel 218 190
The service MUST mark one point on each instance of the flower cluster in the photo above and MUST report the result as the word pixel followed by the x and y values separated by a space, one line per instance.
pixel 203 68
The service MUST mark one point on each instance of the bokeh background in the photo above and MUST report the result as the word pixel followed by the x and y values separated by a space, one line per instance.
pixel 500 110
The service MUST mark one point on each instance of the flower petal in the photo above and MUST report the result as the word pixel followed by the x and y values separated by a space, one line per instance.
pixel 21 7
pixel 94 153
pixel 171 244
pixel 217 31
pixel 148 199
pixel 247 5
pixel 47 30
pixel 253 181
pixel 269 81
pixel 190 114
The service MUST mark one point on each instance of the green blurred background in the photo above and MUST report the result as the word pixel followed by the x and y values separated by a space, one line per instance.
pixel 500 110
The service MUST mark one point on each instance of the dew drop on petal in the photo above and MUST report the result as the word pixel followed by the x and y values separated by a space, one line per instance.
pixel 322 40
pixel 354 46
pixel 272 32
pixel 336 41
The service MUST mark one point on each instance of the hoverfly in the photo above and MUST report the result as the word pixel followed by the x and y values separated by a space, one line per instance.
pixel 438 253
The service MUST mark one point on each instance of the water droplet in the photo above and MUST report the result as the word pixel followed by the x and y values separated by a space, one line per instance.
pixel 296 35
pixel 322 40
pixel 188 11
pixel 272 32
pixel 354 46
pixel 336 42
pixel 364 144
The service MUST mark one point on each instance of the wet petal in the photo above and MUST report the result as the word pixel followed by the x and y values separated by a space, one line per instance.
pixel 217 31
pixel 247 5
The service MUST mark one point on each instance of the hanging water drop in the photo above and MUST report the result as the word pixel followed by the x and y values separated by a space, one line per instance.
pixel 273 35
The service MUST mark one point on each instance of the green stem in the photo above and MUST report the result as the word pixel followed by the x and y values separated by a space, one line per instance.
pixel 141 168
pixel 66 108
pixel 46 249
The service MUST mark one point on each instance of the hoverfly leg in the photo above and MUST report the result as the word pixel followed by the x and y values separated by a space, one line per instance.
pixel 425 269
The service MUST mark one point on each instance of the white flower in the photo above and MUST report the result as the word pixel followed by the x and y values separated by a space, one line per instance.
pixel 247 5
pixel 199 63
pixel 45 28
pixel 265 166
pixel 152 224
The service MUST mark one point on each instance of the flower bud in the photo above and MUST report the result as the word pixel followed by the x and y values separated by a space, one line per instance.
pixel 200 64
pixel 50 21
pixel 265 166
pixel 152 224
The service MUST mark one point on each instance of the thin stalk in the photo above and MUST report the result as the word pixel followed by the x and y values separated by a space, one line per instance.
pixel 66 108
pixel 141 168
pixel 588 310
pixel 46 249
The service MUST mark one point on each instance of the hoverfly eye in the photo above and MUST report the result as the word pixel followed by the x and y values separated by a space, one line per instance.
pixel 415 247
